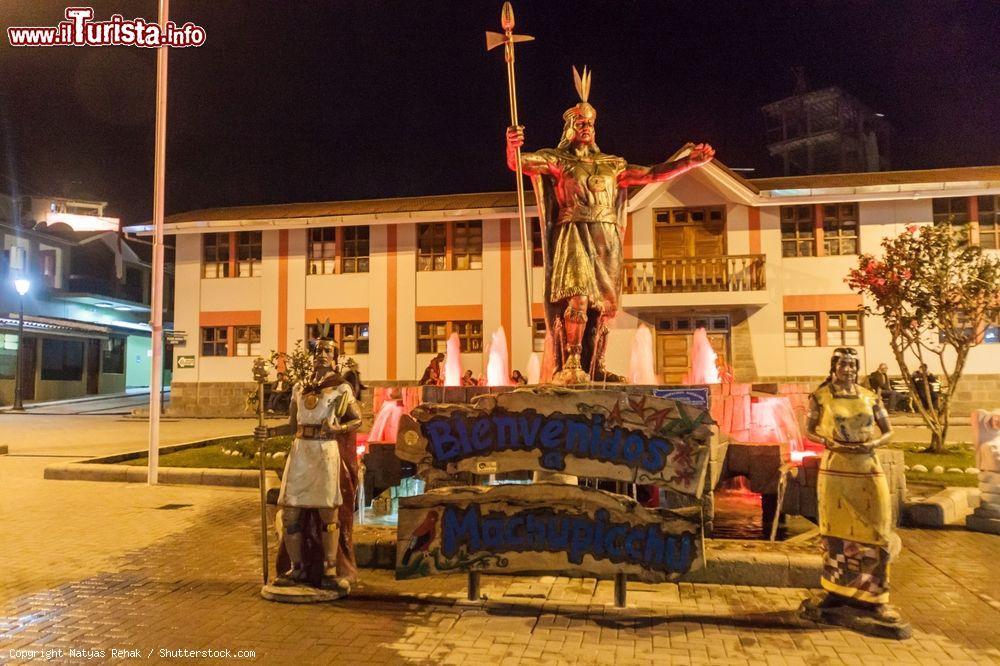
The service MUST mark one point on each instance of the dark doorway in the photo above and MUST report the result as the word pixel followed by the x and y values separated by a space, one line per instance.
pixel 29 356
pixel 93 366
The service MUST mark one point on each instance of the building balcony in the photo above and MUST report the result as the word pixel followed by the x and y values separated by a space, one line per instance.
pixel 695 281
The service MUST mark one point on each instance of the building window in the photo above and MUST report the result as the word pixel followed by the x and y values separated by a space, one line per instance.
pixel 991 335
pixel 467 245
pixel 357 243
pixel 432 337
pixel 323 251
pixel 798 231
pixel 247 340
pixel 537 251
pixel 215 255
pixel 951 210
pixel 843 329
pixel 62 360
pixel 215 341
pixel 470 335
pixel 353 339
pixel 989 222
pixel 538 335
pixel 113 361
pixel 352 257
pixel 714 216
pixel 840 228
pixel 249 252
pixel 801 330
pixel 432 246
pixel 8 355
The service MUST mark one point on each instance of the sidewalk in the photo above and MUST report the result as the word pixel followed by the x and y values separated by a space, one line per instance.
pixel 128 566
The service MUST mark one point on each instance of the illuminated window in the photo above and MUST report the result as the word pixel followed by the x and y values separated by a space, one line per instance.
pixel 247 340
pixel 538 335
pixel 353 339
pixel 215 255
pixel 215 341
pixel 249 252
pixel 470 335
pixel 537 252
pixel 801 330
pixel 323 251
pixel 798 231
pixel 432 337
pixel 840 228
pixel 467 245
pixel 989 222
pixel 432 246
pixel 843 329
pixel 356 249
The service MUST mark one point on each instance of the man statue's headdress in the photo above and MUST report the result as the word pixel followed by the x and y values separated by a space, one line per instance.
pixel 324 338
pixel 580 110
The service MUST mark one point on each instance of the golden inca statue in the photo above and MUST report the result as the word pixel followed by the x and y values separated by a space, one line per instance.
pixel 581 195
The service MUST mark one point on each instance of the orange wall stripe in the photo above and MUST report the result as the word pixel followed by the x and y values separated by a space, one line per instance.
pixel 283 290
pixel 818 226
pixel 230 318
pixel 822 303
pixel 538 311
pixel 449 312
pixel 627 242
pixel 391 299
pixel 338 315
pixel 753 225
pixel 505 281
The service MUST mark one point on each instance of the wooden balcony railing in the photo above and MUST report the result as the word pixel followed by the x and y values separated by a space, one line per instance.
pixel 743 272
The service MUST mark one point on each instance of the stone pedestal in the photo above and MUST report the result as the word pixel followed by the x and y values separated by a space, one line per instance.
pixel 986 518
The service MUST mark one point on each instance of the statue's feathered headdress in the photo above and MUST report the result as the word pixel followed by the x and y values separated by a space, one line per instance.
pixel 583 109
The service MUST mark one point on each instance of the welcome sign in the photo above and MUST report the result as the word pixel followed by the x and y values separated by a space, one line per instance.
pixel 605 434
pixel 542 528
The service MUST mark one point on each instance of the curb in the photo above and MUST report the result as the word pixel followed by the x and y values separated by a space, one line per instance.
pixel 228 478
pixel 949 507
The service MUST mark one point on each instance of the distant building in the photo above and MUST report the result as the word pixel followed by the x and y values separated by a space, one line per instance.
pixel 826 131
pixel 86 316
pixel 760 264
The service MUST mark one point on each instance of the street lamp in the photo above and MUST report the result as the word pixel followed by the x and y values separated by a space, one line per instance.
pixel 22 285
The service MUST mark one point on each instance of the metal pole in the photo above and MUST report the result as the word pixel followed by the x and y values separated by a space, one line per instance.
pixel 473 591
pixel 156 301
pixel 621 589
pixel 18 371
pixel 263 490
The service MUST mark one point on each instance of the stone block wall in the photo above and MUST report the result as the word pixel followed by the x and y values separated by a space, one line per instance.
pixel 219 399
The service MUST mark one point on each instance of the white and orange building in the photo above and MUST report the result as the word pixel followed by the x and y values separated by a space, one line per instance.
pixel 759 263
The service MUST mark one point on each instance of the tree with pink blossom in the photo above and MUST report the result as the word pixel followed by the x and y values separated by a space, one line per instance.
pixel 937 294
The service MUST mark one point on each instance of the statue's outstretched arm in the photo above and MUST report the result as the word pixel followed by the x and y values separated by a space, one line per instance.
pixel 700 154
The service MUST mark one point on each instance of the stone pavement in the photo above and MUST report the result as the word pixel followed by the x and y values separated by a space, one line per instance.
pixel 102 566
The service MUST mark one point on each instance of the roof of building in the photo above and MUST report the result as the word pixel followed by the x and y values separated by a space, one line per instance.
pixel 356 207
pixel 950 175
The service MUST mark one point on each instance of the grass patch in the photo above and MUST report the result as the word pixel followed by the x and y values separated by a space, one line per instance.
pixel 212 456
pixel 955 455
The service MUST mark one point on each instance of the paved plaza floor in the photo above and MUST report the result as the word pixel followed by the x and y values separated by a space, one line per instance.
pixel 96 567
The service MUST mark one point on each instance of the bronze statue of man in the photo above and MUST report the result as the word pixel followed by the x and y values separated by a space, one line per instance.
pixel 581 195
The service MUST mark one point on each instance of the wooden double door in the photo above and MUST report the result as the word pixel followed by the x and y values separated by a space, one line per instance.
pixel 673 351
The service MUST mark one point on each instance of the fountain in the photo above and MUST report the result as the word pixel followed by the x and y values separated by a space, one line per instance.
pixel 386 423
pixel 773 421
pixel 533 373
pixel 453 362
pixel 497 365
pixel 702 360
pixel 642 359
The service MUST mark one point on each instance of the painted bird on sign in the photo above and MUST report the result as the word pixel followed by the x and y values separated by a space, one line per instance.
pixel 422 537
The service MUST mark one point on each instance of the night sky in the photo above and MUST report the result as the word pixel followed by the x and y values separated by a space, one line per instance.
pixel 301 100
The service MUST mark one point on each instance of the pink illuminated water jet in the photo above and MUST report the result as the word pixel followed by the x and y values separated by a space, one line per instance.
pixel 702 360
pixel 498 363
pixel 385 427
pixel 642 359
pixel 533 373
pixel 772 420
pixel 453 362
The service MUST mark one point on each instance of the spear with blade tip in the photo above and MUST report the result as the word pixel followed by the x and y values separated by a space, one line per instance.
pixel 493 40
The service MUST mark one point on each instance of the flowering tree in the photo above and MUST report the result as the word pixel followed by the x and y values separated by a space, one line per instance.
pixel 937 294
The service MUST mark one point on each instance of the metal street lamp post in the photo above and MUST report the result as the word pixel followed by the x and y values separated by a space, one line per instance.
pixel 22 286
